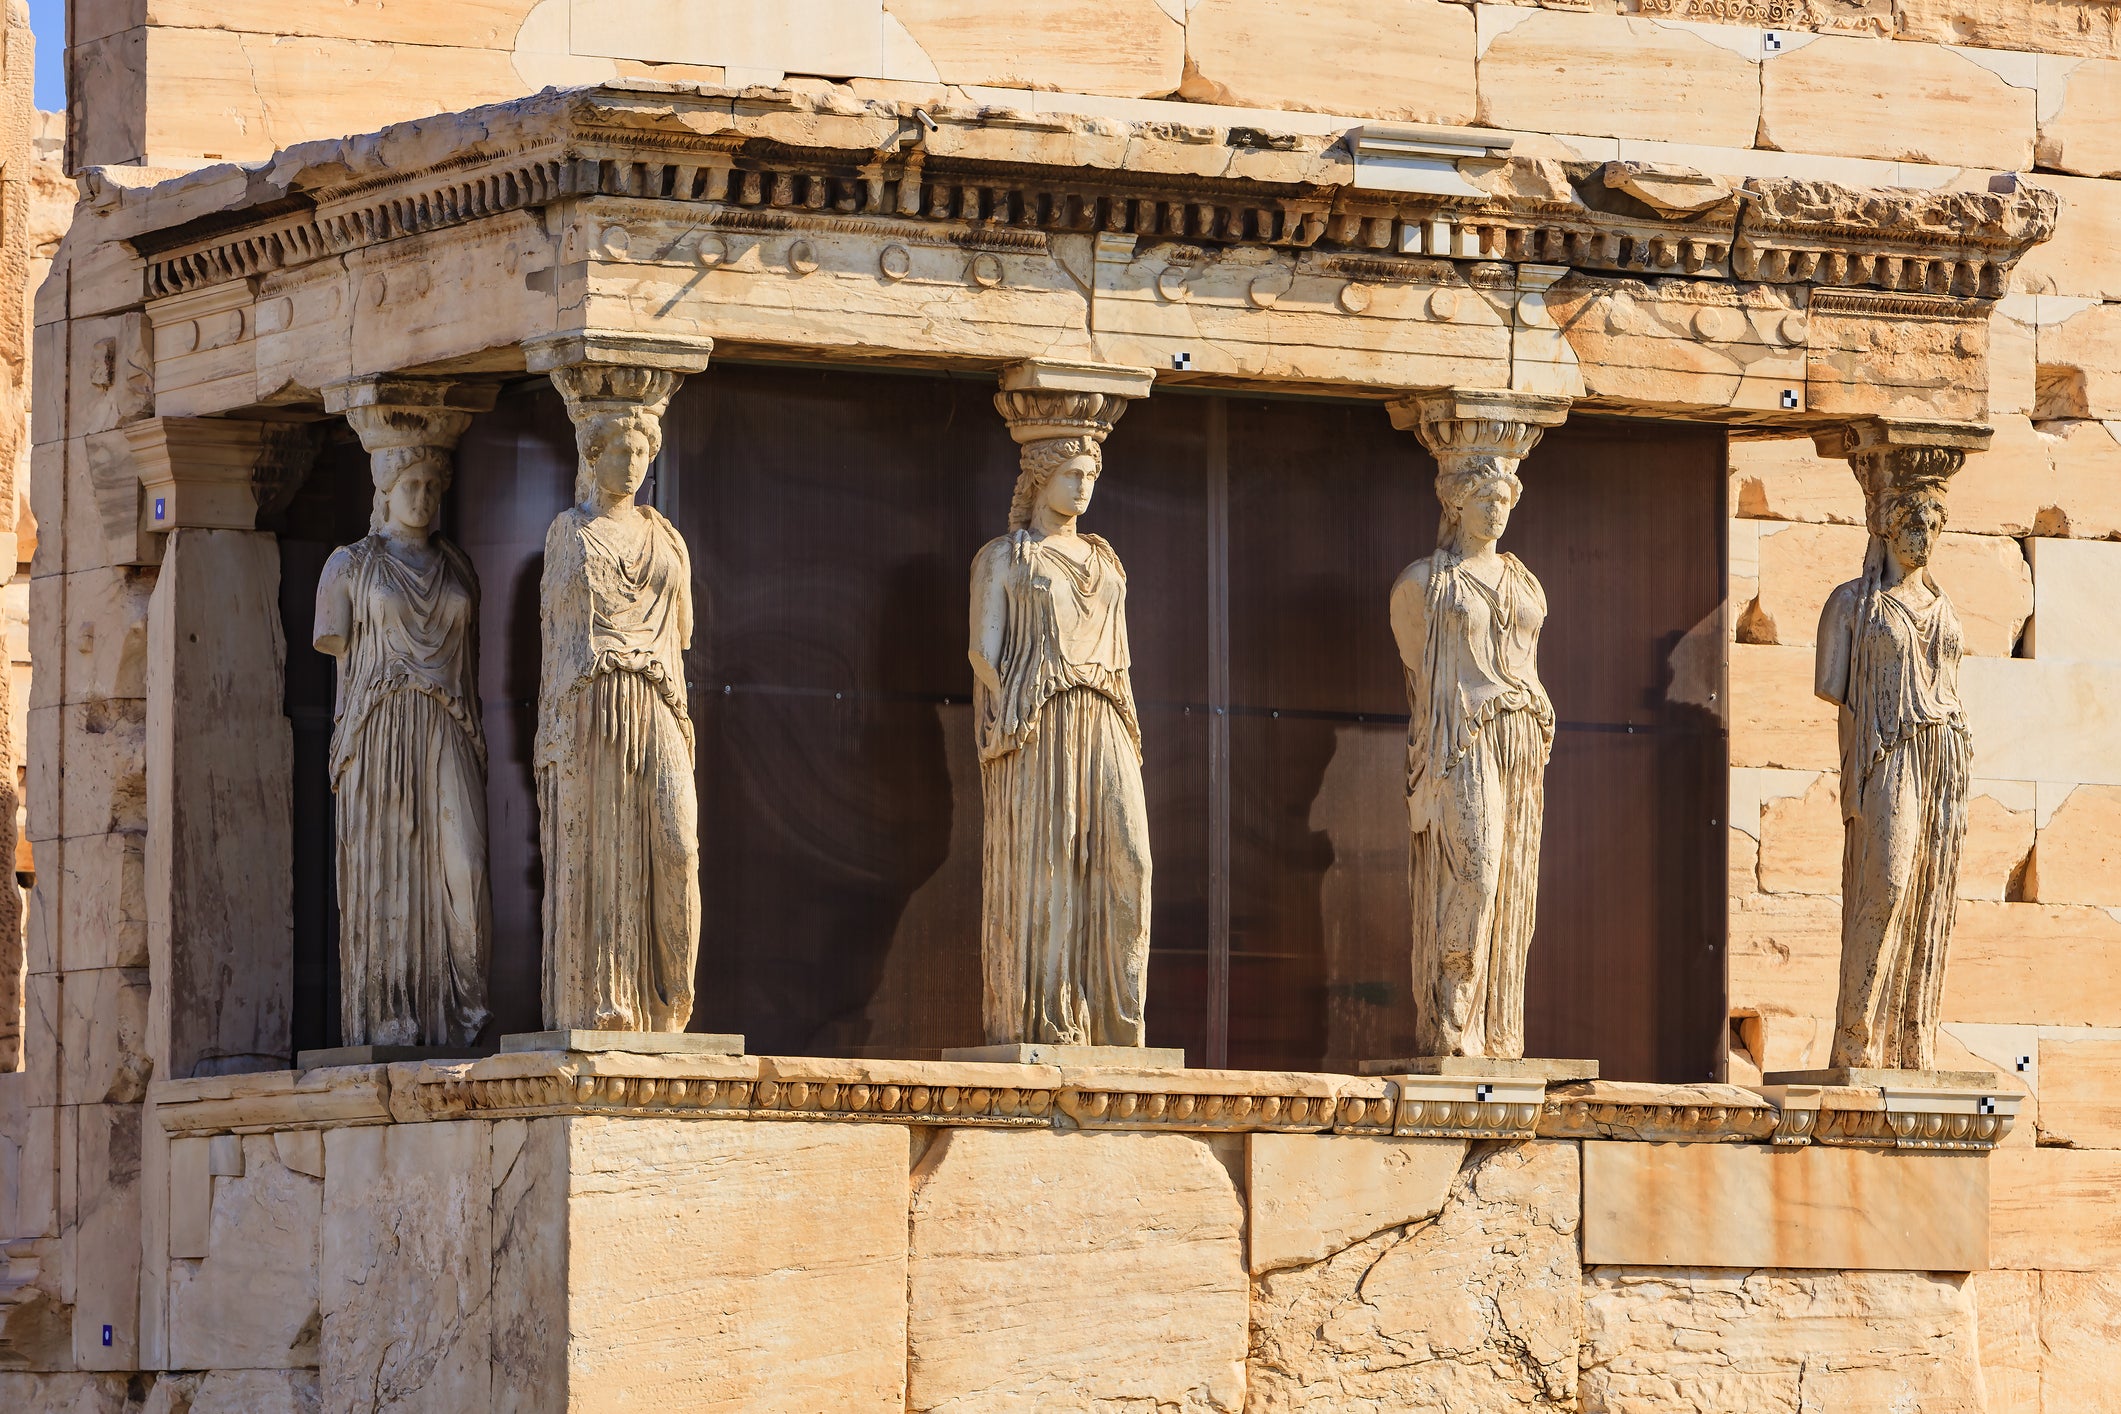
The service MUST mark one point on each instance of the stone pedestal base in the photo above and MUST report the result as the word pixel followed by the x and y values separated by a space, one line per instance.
pixel 385 1055
pixel 639 1043
pixel 1486 1068
pixel 1132 1057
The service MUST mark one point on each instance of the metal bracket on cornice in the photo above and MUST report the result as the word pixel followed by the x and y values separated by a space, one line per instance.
pixel 1416 157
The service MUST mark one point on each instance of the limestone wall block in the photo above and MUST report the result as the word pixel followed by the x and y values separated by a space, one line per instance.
pixel 2081 27
pixel 1788 480
pixel 106 1224
pixel 2043 964
pixel 1799 567
pixel 2052 1210
pixel 2080 1092
pixel 1311 1195
pixel 2077 857
pixel 104 622
pixel 1757 1206
pixel 251 1301
pixel 2080 1328
pixel 1608 75
pixel 1779 1339
pixel 1865 360
pixel 1003 1222
pixel 2082 132
pixel 1333 58
pixel 41 927
pixel 1893 99
pixel 1991 588
pixel 43 1014
pixel 1800 838
pixel 110 375
pixel 2007 1313
pixel 69 1392
pixel 2074 582
pixel 37 1174
pixel 2012 356
pixel 47 506
pixel 47 637
pixel 1640 347
pixel 1125 48
pixel 49 341
pixel 2001 491
pixel 2043 721
pixel 765 1228
pixel 1776 720
pixel 241 1392
pixel 103 771
pixel 406 1267
pixel 105 1059
pixel 471 24
pixel 2082 353
pixel 2082 498
pixel 1479 1308
pixel 2079 259
pixel 1785 954
pixel 41 749
pixel 1995 856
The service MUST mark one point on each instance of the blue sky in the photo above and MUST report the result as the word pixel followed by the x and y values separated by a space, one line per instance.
pixel 47 18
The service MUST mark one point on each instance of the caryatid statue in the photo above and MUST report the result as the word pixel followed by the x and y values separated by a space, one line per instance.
pixel 400 611
pixel 1064 919
pixel 1480 727
pixel 1888 657
pixel 617 809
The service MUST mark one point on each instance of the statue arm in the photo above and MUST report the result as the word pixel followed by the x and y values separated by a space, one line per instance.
pixel 990 614
pixel 1830 660
pixel 1410 614
pixel 334 623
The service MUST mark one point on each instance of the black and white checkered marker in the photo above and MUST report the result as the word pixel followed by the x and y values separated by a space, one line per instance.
pixel 1789 397
pixel 2025 1063
pixel 1482 1092
pixel 1182 361
pixel 1987 1105
pixel 1771 42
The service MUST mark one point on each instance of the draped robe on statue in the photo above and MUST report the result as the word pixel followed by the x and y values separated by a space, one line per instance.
pixel 1065 874
pixel 408 774
pixel 617 809
pixel 1480 729
pixel 1906 763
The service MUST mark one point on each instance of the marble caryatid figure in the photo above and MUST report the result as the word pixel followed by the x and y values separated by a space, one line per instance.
pixel 400 611
pixel 1479 732
pixel 1888 656
pixel 1064 929
pixel 617 808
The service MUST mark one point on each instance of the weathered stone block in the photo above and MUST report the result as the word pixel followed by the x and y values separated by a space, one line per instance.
pixel 2080 1093
pixel 1609 75
pixel 2000 491
pixel 1776 719
pixel 103 1037
pixel 2043 721
pixel 106 633
pixel 1126 48
pixel 2052 1210
pixel 2088 345
pixel 1333 59
pixel 1002 1221
pixel 1311 1195
pixel 2081 495
pixel 2079 259
pixel 2081 27
pixel 1789 480
pixel 1896 100
pixel 1994 857
pixel 2078 855
pixel 101 881
pixel 106 1239
pixel 1785 954
pixel 1800 836
pixel 1759 1340
pixel 1758 1205
pixel 2073 586
pixel 104 766
pixel 406 1268
pixel 251 1303
pixel 1478 1308
pixel 2080 1328
pixel 2003 965
pixel 2007 1312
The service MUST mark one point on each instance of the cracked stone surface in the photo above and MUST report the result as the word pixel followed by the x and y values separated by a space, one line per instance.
pixel 1477 1308
pixel 1791 1342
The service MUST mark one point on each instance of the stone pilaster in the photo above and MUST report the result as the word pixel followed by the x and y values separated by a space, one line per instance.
pixel 1891 456
pixel 1462 426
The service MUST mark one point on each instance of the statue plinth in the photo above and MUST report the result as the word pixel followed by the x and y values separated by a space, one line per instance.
pixel 1129 1057
pixel 385 1055
pixel 638 1043
pixel 1486 1067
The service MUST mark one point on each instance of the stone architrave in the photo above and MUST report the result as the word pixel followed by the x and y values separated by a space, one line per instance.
pixel 1065 873
pixel 1888 657
pixel 399 609
pixel 1480 726
pixel 617 810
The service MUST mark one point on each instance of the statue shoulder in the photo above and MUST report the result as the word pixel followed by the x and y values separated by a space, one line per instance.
pixel 1414 579
pixel 1841 604
pixel 997 554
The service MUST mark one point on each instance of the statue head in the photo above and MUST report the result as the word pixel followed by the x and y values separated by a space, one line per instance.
pixel 1478 495
pixel 1912 521
pixel 1059 473
pixel 617 445
pixel 409 484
